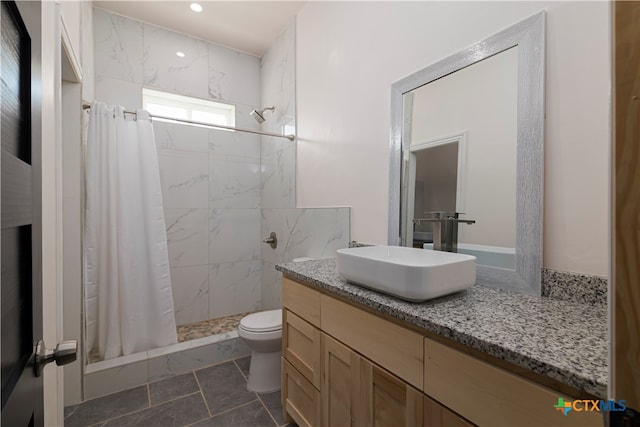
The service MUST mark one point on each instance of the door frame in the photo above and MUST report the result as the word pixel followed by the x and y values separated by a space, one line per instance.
pixel 624 292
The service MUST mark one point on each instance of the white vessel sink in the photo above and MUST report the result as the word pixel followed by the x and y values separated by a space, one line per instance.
pixel 408 273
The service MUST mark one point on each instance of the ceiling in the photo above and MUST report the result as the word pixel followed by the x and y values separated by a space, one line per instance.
pixel 249 26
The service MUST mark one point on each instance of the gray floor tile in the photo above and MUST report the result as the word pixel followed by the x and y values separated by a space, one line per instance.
pixel 274 406
pixel 103 408
pixel 243 364
pixel 251 415
pixel 172 388
pixel 224 387
pixel 180 412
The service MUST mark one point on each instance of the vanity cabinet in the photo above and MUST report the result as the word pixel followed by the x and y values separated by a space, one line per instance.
pixel 371 381
pixel 346 366
pixel 357 392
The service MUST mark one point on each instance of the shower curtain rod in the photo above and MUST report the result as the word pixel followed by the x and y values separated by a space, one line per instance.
pixel 87 106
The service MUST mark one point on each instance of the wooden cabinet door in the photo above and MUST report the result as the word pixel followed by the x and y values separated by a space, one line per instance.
pixel 437 415
pixel 340 384
pixel 388 401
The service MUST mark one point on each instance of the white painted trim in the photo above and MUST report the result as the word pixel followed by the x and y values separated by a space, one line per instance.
pixel 67 47
pixel 59 281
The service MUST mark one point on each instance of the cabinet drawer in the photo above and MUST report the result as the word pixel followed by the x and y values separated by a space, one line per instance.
pixel 303 301
pixel 393 347
pixel 301 399
pixel 301 346
pixel 486 395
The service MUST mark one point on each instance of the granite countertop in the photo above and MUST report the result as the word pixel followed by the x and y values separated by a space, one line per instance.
pixel 562 340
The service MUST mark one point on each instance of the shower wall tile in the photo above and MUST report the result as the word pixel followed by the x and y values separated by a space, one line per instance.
pixel 278 75
pixel 271 287
pixel 118 47
pixel 234 182
pixel 163 69
pixel 278 155
pixel 102 383
pixel 234 235
pixel 178 363
pixel 174 136
pixel 190 287
pixel 278 175
pixel 237 144
pixel 233 76
pixel 234 287
pixel 312 232
pixel 118 92
pixel 187 236
pixel 184 177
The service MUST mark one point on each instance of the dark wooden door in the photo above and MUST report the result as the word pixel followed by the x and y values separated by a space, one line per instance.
pixel 20 212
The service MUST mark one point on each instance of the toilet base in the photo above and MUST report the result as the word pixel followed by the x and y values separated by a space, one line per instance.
pixel 264 372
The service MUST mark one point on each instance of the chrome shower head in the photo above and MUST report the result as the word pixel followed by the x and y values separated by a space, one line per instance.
pixel 259 115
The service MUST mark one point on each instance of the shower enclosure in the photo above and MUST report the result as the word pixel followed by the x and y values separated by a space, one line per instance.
pixel 212 184
pixel 223 191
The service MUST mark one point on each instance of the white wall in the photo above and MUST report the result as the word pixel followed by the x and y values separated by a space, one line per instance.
pixel 349 54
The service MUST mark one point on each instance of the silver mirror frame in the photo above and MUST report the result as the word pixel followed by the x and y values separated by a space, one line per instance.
pixel 529 36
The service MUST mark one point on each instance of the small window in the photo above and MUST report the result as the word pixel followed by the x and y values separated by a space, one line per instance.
pixel 187 108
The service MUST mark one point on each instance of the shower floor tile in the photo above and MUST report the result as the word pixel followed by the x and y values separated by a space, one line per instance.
pixel 212 396
pixel 209 327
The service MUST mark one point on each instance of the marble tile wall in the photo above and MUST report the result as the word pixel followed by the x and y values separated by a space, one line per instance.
pixel 278 162
pixel 210 178
pixel 278 89
pixel 302 232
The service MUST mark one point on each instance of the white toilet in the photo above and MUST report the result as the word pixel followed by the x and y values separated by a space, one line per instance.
pixel 262 332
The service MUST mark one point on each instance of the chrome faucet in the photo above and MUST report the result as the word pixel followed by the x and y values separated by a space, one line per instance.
pixel 445 229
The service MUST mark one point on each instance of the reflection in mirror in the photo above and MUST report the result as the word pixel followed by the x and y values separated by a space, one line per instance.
pixel 480 100
pixel 467 137
pixel 436 179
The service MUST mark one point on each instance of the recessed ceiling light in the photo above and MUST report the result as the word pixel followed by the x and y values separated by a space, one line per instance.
pixel 180 54
pixel 196 7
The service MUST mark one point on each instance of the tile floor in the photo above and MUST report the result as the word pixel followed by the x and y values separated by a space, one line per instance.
pixel 215 396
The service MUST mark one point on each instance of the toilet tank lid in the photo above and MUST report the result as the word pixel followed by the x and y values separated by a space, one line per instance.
pixel 263 321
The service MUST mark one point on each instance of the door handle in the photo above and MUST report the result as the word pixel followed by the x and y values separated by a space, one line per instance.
pixel 65 352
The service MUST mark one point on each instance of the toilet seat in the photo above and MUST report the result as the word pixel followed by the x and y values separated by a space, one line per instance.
pixel 264 321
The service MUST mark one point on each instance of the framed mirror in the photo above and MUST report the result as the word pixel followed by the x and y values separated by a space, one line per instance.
pixel 467 137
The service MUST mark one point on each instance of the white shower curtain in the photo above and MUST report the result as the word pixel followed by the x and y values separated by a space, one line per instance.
pixel 128 299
